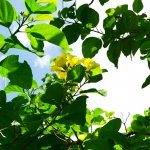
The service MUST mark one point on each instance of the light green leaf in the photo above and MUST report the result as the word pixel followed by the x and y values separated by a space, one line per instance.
pixel 49 33
pixel 12 88
pixel 137 5
pixel 2 41
pixel 40 17
pixel 7 13
pixel 36 8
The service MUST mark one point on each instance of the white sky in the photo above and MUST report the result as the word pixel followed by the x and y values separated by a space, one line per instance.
pixel 123 85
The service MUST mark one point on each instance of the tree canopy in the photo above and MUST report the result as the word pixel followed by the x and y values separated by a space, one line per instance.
pixel 54 115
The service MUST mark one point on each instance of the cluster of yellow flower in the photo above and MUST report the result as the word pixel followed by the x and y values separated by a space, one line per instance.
pixel 66 62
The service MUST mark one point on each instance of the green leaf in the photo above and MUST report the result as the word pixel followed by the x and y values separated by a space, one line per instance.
pixel 22 76
pixel 2 41
pixel 42 32
pixel 75 112
pixel 145 45
pixel 51 95
pixel 57 22
pixel 93 90
pixel 7 13
pixel 88 16
pixel 9 64
pixel 91 46
pixel 147 82
pixel 102 2
pixel 13 88
pixel 72 32
pixel 36 8
pixel 114 52
pixel 76 74
pixel 36 43
pixel 2 98
pixel 109 22
pixel 113 125
pixel 137 5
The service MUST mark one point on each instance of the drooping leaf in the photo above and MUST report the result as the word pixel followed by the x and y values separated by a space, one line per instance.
pixel 76 74
pixel 72 32
pixel 137 5
pixel 75 112
pixel 88 16
pixel 36 8
pixel 147 82
pixel 102 2
pixel 91 46
pixel 22 76
pixel 114 52
pixel 7 13
pixel 49 33
pixel 93 90
pixel 51 95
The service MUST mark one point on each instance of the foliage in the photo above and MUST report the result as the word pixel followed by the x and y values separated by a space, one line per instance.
pixel 54 115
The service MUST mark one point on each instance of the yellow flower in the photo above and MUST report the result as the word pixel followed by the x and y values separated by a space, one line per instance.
pixel 89 64
pixel 62 75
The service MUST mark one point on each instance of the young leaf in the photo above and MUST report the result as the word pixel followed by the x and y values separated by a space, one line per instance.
pixel 114 52
pixel 49 33
pixel 7 13
pixel 137 5
pixel 91 46
pixel 146 83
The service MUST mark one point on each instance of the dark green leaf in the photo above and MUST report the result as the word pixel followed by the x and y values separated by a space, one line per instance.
pixel 57 22
pixel 95 78
pixel 102 2
pixel 51 95
pixel 91 46
pixel 42 31
pixel 114 52
pixel 36 8
pixel 147 82
pixel 7 13
pixel 76 74
pixel 137 5
pixel 113 125
pixel 72 32
pixel 75 112
pixel 145 45
pixel 2 98
pixel 21 76
pixel 88 16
